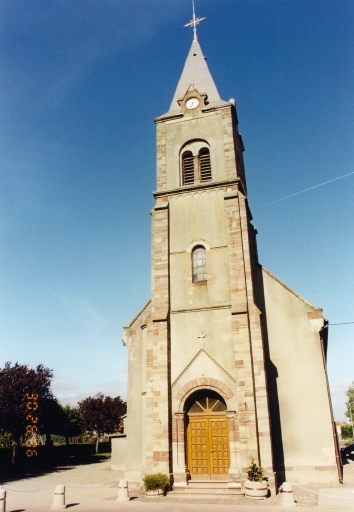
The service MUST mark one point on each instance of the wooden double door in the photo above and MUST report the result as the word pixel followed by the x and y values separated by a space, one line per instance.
pixel 208 446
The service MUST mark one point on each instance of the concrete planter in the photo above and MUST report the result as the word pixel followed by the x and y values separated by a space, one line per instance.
pixel 155 492
pixel 256 490
pixel 156 484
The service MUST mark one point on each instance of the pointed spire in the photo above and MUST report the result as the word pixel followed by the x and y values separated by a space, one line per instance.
pixel 195 71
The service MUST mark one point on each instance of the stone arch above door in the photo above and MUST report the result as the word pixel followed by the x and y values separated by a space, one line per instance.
pixel 184 392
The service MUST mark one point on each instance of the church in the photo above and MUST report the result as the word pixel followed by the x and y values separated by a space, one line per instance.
pixel 226 363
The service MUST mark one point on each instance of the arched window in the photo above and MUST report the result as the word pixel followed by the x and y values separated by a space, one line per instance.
pixel 205 401
pixel 187 168
pixel 204 164
pixel 199 268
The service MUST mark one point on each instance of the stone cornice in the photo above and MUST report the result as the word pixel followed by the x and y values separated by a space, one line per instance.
pixel 200 186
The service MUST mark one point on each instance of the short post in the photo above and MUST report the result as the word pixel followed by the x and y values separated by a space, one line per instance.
pixel 123 494
pixel 2 500
pixel 288 495
pixel 59 497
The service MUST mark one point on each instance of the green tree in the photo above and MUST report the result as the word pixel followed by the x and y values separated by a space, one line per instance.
pixel 74 422
pixel 102 414
pixel 53 418
pixel 346 431
pixel 350 403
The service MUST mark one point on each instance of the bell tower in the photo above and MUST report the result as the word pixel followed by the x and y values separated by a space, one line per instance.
pixel 207 349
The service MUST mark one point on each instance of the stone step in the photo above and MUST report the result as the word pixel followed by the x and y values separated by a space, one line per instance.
pixel 212 484
pixel 210 493
pixel 207 487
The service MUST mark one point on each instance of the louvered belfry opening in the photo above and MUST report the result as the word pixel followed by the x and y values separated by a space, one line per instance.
pixel 187 168
pixel 196 163
pixel 204 164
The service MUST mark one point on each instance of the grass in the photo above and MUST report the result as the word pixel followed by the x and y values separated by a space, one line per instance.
pixel 106 455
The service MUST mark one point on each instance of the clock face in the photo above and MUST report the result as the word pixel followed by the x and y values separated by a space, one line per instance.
pixel 192 103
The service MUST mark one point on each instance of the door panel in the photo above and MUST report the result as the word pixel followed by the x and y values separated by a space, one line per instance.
pixel 208 446
pixel 198 447
pixel 219 446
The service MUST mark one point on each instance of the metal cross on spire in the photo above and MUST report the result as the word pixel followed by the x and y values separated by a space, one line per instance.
pixel 193 23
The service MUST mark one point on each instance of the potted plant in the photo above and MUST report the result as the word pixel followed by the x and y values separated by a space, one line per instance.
pixel 156 484
pixel 256 485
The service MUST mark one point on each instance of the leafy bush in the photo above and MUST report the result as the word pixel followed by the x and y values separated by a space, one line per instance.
pixel 346 431
pixel 255 473
pixel 156 481
pixel 6 439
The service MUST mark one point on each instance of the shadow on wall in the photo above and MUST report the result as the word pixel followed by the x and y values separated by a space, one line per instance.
pixel 271 376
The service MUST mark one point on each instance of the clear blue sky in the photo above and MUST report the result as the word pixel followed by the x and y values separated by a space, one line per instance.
pixel 79 81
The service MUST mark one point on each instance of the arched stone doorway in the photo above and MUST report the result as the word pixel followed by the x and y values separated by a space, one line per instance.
pixel 208 444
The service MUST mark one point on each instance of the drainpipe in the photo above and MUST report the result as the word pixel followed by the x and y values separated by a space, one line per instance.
pixel 323 338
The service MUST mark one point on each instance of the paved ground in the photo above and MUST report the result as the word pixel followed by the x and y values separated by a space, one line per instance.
pixel 94 487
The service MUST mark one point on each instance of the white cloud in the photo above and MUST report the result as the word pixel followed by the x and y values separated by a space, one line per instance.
pixel 65 384
pixel 71 399
pixel 90 321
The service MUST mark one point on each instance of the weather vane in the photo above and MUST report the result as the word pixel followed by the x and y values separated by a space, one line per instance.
pixel 193 23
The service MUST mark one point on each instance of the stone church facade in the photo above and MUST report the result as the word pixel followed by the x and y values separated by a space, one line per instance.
pixel 226 363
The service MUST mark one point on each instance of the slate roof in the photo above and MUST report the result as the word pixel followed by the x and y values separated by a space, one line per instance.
pixel 196 73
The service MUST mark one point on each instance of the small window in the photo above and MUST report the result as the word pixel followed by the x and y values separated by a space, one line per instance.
pixel 204 164
pixel 188 168
pixel 199 269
